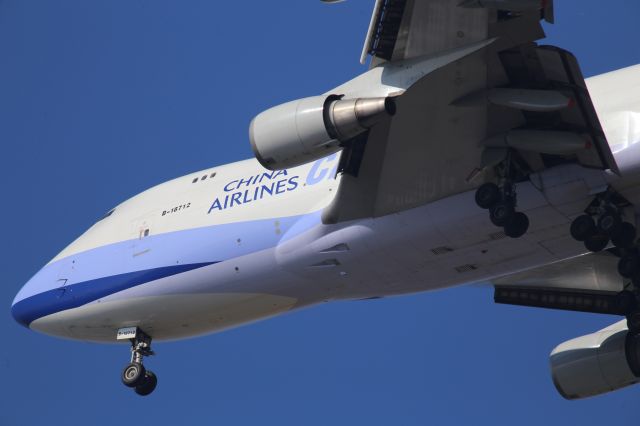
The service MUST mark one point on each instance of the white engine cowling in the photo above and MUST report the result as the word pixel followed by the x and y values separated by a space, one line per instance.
pixel 305 130
pixel 596 363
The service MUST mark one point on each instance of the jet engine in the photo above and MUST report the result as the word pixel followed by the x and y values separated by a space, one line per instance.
pixel 596 363
pixel 305 130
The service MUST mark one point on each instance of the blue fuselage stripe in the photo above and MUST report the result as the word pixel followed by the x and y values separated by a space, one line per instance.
pixel 75 295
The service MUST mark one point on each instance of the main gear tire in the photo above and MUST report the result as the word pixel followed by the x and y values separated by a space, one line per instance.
pixel 596 242
pixel 633 323
pixel 501 214
pixel 623 235
pixel 487 195
pixel 517 226
pixel 583 227
pixel 629 265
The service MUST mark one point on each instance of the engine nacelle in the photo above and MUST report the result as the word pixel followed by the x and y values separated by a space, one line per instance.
pixel 596 363
pixel 305 130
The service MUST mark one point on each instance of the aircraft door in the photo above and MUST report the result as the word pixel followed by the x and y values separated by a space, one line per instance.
pixel 141 231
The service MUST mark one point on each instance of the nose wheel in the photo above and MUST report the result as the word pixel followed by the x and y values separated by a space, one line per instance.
pixel 135 375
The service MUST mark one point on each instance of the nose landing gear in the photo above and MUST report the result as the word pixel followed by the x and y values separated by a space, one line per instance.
pixel 134 375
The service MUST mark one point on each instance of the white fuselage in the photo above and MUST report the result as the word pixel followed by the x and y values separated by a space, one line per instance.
pixel 236 243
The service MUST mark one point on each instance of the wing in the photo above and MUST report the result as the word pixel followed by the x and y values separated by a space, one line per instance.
pixel 588 283
pixel 456 122
pixel 401 29
pixel 593 272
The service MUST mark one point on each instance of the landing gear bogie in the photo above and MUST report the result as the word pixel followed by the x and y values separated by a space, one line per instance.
pixel 603 222
pixel 501 203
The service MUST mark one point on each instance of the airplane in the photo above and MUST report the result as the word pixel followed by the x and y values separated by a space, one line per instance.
pixel 467 152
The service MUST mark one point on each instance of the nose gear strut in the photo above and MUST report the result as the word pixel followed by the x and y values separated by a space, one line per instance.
pixel 134 375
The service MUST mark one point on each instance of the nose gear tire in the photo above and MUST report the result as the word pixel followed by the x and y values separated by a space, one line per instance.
pixel 133 374
pixel 148 384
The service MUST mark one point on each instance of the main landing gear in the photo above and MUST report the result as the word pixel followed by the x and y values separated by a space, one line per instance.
pixel 603 224
pixel 501 203
pixel 134 375
pixel 501 200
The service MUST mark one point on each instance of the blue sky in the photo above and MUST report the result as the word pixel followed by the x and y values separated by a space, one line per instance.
pixel 101 100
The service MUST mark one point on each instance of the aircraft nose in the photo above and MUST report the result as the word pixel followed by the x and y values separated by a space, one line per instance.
pixel 20 315
pixel 35 299
pixel 23 310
